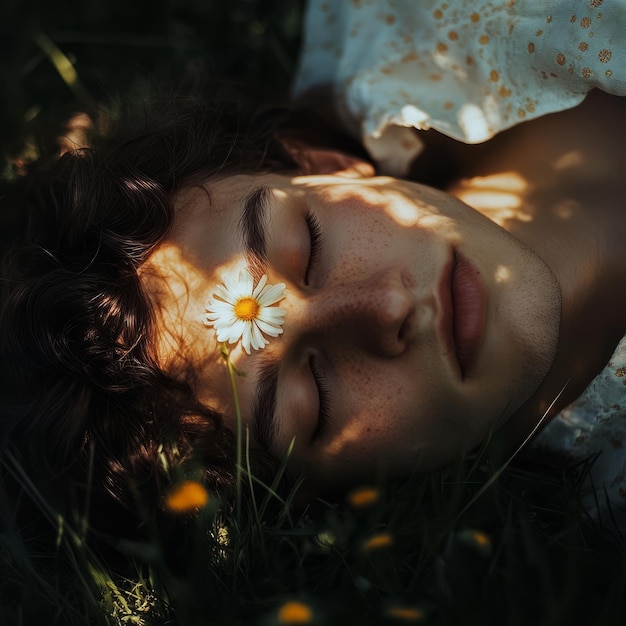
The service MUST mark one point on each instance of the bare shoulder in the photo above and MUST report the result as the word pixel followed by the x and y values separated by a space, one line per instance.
pixel 586 143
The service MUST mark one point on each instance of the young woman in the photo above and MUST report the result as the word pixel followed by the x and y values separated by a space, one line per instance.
pixel 414 326
pixel 471 70
pixel 382 326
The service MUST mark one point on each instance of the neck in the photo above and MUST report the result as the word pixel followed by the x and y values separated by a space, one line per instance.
pixel 567 205
pixel 586 254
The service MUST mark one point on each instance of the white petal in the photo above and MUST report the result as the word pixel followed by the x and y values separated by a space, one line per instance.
pixel 272 294
pixel 257 338
pixel 238 328
pixel 247 336
pixel 269 329
pixel 228 330
pixel 245 283
pixel 220 309
pixel 259 288
pixel 214 302
pixel 225 320
pixel 224 293
pixel 272 315
pixel 244 274
pixel 225 334
pixel 234 287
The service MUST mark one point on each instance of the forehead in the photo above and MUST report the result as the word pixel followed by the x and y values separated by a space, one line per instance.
pixel 206 243
pixel 206 221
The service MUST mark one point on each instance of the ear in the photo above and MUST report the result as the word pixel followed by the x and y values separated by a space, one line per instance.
pixel 313 160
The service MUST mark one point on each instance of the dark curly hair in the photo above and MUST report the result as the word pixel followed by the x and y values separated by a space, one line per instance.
pixel 86 410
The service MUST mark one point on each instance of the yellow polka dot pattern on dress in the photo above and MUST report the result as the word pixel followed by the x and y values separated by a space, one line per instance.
pixel 468 68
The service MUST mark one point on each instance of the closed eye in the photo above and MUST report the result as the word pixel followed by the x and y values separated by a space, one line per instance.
pixel 323 391
pixel 315 250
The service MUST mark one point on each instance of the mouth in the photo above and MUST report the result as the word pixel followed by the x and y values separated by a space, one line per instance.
pixel 463 302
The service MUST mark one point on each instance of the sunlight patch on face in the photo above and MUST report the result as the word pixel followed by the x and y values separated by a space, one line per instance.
pixel 172 280
pixel 230 269
pixel 402 211
pixel 437 222
pixel 503 274
pixel 320 180
pixel 347 445
pixel 374 193
pixel 279 194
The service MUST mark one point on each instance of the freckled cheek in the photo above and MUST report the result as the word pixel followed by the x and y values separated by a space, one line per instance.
pixel 362 250
pixel 359 235
pixel 352 265
pixel 378 415
pixel 392 423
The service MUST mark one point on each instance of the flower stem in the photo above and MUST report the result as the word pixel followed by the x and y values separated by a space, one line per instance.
pixel 232 370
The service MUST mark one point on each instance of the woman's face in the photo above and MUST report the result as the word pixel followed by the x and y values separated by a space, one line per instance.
pixel 416 328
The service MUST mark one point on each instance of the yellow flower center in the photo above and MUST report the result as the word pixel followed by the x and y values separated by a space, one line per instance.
pixel 247 309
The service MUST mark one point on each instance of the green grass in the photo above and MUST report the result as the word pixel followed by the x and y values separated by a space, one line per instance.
pixel 521 553
pixel 59 56
pixel 449 552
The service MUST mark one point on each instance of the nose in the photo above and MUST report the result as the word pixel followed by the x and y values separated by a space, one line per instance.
pixel 373 314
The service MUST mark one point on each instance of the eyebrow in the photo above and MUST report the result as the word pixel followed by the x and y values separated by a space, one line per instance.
pixel 252 225
pixel 264 426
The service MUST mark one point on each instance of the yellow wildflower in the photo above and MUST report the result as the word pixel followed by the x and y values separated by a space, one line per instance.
pixel 187 496
pixel 481 539
pixel 294 612
pixel 476 539
pixel 375 542
pixel 363 496
pixel 406 613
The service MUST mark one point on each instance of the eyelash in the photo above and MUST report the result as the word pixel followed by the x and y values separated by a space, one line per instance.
pixel 323 421
pixel 315 235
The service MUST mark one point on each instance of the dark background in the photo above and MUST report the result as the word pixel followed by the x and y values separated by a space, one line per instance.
pixel 119 47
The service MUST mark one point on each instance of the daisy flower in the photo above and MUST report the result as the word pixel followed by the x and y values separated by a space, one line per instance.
pixel 238 310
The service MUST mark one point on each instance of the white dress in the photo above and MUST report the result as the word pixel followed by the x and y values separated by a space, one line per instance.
pixel 595 424
pixel 467 68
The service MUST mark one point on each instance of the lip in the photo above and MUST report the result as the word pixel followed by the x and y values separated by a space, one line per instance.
pixel 463 305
